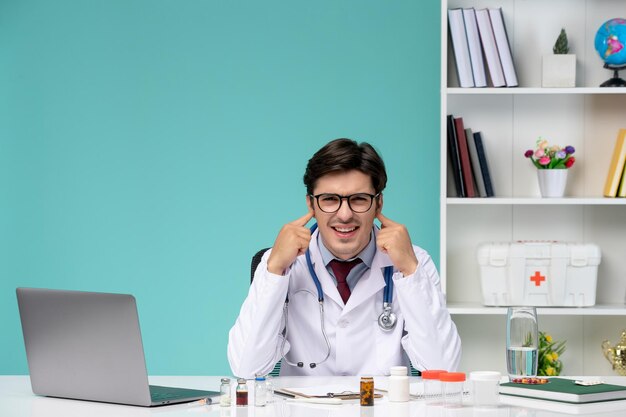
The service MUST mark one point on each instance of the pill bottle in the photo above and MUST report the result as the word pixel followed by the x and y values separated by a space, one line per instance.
pixel 225 392
pixel 367 391
pixel 241 392
pixel 398 384
pixel 485 388
pixel 432 385
pixel 260 392
pixel 452 388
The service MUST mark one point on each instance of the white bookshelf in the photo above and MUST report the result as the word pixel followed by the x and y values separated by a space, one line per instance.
pixel 511 119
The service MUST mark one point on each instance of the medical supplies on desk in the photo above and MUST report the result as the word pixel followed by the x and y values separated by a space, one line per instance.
pixel 538 273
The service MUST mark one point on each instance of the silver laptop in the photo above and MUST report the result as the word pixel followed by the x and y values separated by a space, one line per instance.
pixel 87 346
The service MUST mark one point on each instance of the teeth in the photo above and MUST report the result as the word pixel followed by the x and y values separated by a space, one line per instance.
pixel 343 230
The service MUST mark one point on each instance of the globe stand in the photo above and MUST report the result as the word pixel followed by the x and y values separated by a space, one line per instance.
pixel 616 81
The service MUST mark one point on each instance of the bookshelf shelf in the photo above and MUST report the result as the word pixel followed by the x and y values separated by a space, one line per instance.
pixel 534 91
pixel 598 310
pixel 537 201
pixel 511 120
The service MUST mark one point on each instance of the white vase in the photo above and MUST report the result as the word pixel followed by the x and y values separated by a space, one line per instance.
pixel 552 182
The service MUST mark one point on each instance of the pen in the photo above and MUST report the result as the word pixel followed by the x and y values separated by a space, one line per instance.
pixel 313 400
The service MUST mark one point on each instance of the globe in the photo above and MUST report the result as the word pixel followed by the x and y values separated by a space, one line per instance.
pixel 610 42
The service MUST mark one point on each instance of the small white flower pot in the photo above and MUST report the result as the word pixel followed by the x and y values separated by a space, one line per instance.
pixel 552 182
pixel 559 71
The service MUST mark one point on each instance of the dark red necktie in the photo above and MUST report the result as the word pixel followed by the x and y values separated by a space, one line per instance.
pixel 341 271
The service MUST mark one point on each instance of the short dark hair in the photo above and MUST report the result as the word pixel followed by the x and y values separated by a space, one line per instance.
pixel 342 155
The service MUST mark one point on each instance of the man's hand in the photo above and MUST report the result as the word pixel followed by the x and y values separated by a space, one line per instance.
pixel 291 242
pixel 393 239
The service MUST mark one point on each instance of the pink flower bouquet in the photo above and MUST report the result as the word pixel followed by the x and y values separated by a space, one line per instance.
pixel 551 157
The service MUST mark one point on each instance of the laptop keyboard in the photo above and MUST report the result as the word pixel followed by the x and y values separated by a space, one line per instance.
pixel 159 393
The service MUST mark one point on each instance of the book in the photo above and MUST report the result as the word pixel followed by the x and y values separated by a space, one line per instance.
pixel 484 165
pixel 455 161
pixel 489 47
pixel 621 192
pixel 460 47
pixel 478 175
pixel 466 166
pixel 566 390
pixel 617 165
pixel 475 50
pixel 504 48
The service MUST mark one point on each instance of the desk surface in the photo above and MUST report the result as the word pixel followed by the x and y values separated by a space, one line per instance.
pixel 17 400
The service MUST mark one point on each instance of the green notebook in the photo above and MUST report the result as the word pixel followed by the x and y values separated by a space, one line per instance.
pixel 565 390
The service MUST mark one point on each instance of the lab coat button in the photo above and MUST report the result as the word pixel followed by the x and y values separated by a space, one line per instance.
pixel 343 324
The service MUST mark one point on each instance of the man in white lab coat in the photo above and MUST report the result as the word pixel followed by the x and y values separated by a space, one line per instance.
pixel 344 182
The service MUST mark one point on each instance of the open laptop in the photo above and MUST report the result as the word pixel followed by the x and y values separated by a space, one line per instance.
pixel 87 346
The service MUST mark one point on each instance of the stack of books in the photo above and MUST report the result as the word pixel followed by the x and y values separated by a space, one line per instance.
pixel 615 185
pixel 468 158
pixel 480 36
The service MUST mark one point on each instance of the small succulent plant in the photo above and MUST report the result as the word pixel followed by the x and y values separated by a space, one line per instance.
pixel 561 46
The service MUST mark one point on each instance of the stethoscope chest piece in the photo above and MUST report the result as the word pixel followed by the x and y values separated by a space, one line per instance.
pixel 387 320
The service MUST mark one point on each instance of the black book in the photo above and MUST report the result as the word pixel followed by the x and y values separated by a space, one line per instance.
pixel 484 166
pixel 455 160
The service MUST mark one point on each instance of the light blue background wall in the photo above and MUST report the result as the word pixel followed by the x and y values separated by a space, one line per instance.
pixel 150 147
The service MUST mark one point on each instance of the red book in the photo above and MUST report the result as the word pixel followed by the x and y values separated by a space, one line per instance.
pixel 466 166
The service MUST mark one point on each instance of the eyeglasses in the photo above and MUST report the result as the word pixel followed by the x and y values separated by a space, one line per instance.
pixel 358 203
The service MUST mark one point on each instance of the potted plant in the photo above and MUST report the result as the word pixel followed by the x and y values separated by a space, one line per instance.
pixel 552 163
pixel 559 69
pixel 550 351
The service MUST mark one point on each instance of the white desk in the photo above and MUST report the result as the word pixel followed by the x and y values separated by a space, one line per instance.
pixel 17 400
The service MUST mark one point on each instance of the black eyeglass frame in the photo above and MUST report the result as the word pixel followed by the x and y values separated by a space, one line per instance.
pixel 347 198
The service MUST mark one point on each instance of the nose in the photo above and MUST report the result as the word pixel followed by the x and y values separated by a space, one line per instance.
pixel 344 213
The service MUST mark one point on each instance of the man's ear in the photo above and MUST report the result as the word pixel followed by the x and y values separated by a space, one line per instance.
pixel 309 203
pixel 379 203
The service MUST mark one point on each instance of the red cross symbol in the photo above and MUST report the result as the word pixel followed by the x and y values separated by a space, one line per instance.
pixel 537 278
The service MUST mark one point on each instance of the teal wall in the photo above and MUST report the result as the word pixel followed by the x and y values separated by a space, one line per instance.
pixel 152 146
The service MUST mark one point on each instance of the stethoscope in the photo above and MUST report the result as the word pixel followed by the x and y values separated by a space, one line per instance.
pixel 386 321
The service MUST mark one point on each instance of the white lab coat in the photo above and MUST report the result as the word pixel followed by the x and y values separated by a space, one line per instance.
pixel 424 332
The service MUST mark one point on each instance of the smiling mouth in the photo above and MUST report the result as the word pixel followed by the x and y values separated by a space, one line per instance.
pixel 345 231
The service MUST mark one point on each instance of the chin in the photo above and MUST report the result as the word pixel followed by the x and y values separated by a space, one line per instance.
pixel 345 251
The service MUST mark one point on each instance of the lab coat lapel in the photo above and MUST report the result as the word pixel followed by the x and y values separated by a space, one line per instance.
pixel 370 283
pixel 328 284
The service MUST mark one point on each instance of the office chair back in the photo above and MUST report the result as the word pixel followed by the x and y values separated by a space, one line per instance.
pixel 256 260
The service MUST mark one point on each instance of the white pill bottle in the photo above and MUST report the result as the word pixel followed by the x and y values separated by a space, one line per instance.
pixel 398 384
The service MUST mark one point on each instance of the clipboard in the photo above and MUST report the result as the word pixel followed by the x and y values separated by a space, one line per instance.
pixel 343 395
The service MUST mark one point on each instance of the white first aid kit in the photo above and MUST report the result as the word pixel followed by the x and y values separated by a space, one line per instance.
pixel 538 273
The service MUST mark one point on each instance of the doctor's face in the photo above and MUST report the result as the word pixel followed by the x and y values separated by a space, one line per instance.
pixel 344 232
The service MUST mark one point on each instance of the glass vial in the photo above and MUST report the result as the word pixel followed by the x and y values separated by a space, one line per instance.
pixel 432 385
pixel 398 384
pixel 367 391
pixel 225 392
pixel 260 392
pixel 269 383
pixel 241 393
